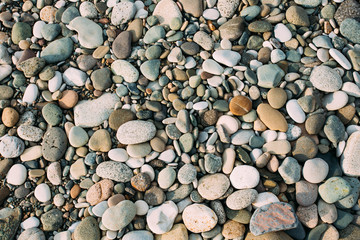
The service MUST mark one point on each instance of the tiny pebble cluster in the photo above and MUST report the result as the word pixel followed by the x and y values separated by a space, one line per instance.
pixel 179 119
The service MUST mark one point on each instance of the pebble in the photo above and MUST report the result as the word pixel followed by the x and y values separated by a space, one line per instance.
pixel 42 192
pixel 244 177
pixel 17 175
pixel 213 186
pixel 334 189
pixel 241 199
pixel 349 163
pixel 161 219
pixel 172 11
pixel 290 170
pixel 264 198
pixel 295 111
pixel 32 234
pixel 325 79
pixel 240 105
pixel 31 222
pixel 116 171
pixel 136 131
pixel 99 192
pixel 297 16
pixel 54 144
pixel 349 28
pixel 272 118
pixel 124 69
pixel 335 101
pixel 87 229
pixel 93 113
pixel 31 93
pixel 11 146
pixel 119 216
pixel 204 40
pixel 269 75
pixel 137 235
pixel 227 57
pixel 315 170
pixel 122 45
pixel 340 58
pixel 58 50
pixel 306 193
pixel 199 218
pixel 74 77
pixel 123 12
pixel 273 217
pixel 118 154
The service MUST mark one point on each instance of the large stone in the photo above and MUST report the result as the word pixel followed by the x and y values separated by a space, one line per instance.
pixel 90 33
pixel 119 216
pixel 88 229
pixel 347 9
pixel 93 113
pixel 9 222
pixel 325 79
pixel 350 162
pixel 213 186
pixel 58 50
pixel 166 10
pixel 232 29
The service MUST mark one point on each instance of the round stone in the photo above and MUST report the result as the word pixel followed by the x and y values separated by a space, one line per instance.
pixel 241 199
pixel 136 131
pixel 277 97
pixel 69 99
pixel 213 186
pixel 11 147
pixel 42 192
pixel 315 170
pixel 244 177
pixel 52 114
pixel 240 105
pixel 325 79
pixel 9 117
pixel 119 216
pixel 199 218
pixel 78 137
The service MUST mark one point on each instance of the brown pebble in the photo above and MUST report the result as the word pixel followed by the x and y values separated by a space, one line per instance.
pixel 75 191
pixel 346 113
pixel 210 117
pixel 233 229
pixel 100 191
pixel 68 99
pixel 240 105
pixel 113 200
pixel 272 118
pixel 9 117
pixel 157 144
pixel 141 182
pixel 277 97
pixel 119 117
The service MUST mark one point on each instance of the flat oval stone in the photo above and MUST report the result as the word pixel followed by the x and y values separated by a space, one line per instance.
pixel 213 186
pixel 335 101
pixel 119 216
pixel 244 176
pixel 241 199
pixel 325 79
pixel 277 147
pixel 240 105
pixel 136 131
pixel 54 144
pixel 199 218
pixel 295 111
pixel 272 118
pixel 116 171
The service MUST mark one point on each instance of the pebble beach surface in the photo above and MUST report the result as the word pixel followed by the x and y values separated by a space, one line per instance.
pixel 179 120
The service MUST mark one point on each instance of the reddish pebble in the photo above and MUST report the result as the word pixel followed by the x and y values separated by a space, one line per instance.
pixel 68 99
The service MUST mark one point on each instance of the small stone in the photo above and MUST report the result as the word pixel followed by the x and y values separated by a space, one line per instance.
pixel 290 170
pixel 52 114
pixel 172 11
pixel 308 215
pixel 141 182
pixel 20 31
pixel 16 175
pixel 11 147
pixel 122 13
pixel 315 170
pixel 150 68
pixel 227 8
pixel 327 212
pixel 58 50
pixel 42 192
pixel 334 129
pixel 88 229
pixel 330 79
pixel 93 113
pixel 9 117
pixel 78 169
pixel 99 192
pixel 334 189
pixel 139 234
pixel 74 77
pixel 349 28
pixel 260 26
pixel 89 33
pixel 213 186
pixel 32 234
pixel 160 219
pixel 269 75
pixel 349 162
pixel 52 220
pixel 272 118
pixel 297 16
pixel 282 33
pixel 232 29
pixel 119 216
pixel 32 66
pixel 199 218
pixel 304 148
pixel 306 193
pixel 240 105
pixel 233 229
pixel 53 173
pixel 244 177
pixel 136 131
pixel 204 40
pixel 273 217
pixel 100 141
pixel 122 45
pixel 124 69
pixel 241 199
pixel 116 171
pixel 187 174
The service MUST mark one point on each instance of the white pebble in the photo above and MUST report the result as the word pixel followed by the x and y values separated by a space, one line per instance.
pixel 135 162
pixel 340 58
pixel 42 192
pixel 118 154
pixel 200 105
pixel 66 235
pixel 16 175
pixel 269 135
pixel 244 176
pixel 148 170
pixel 100 208
pixel 37 29
pixel 295 111
pixel 264 198
pixel 31 93
pixel 31 222
pixel 55 83
pixel 211 14
pixel 282 33
pixel 141 207
pixel 334 101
